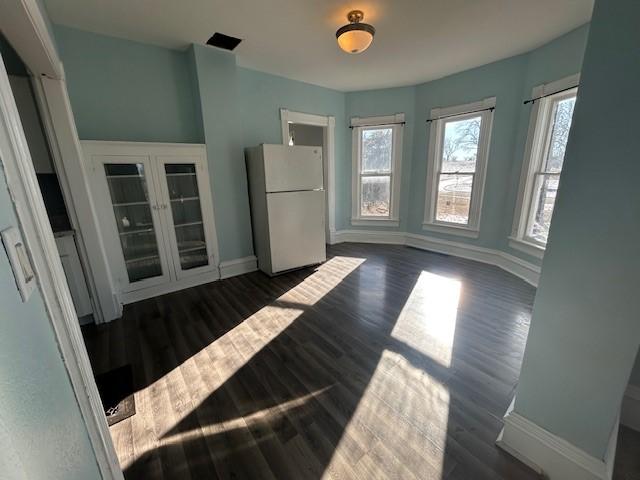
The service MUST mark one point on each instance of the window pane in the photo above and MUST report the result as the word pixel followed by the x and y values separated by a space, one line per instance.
pixel 376 150
pixel 460 145
pixel 542 208
pixel 454 198
pixel 561 123
pixel 375 196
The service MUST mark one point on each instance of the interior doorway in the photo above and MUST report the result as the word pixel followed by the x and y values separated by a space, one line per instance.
pixel 315 131
pixel 48 174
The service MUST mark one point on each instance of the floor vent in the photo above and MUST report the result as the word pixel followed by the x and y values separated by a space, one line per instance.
pixel 116 393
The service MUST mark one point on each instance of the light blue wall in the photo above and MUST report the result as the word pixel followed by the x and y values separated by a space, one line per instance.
pixel 116 95
pixel 377 103
pixel 123 90
pixel 502 80
pixel 511 81
pixel 585 328
pixel 218 93
pixel 40 420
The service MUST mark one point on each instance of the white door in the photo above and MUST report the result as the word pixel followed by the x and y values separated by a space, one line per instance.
pixel 130 218
pixel 288 169
pixel 187 212
pixel 296 229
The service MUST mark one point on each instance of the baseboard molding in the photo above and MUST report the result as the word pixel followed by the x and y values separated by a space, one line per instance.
pixel 238 266
pixel 630 413
pixel 529 272
pixel 370 236
pixel 137 295
pixel 551 456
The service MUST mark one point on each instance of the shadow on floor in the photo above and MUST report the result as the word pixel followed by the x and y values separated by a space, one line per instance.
pixel 385 361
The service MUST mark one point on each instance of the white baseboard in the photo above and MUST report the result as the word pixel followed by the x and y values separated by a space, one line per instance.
pixel 630 413
pixel 370 236
pixel 529 272
pixel 238 266
pixel 137 295
pixel 551 456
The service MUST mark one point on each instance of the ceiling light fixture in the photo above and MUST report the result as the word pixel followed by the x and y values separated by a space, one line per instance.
pixel 355 37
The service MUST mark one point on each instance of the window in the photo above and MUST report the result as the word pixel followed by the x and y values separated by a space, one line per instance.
pixel 544 156
pixel 458 150
pixel 377 155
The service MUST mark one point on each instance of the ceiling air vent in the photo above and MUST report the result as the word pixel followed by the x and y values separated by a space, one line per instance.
pixel 221 40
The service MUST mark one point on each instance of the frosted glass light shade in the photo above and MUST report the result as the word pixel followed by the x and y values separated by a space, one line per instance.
pixel 355 37
pixel 355 41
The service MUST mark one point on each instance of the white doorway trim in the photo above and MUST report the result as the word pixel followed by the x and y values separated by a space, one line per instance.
pixel 24 26
pixel 328 147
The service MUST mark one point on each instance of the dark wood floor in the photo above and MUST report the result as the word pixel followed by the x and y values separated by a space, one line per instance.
pixel 627 465
pixel 385 362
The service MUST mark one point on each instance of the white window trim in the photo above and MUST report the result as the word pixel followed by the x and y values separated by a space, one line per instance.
pixel 472 229
pixel 396 123
pixel 532 155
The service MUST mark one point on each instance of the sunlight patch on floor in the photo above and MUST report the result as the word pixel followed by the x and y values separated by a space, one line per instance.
pixel 226 355
pixel 255 421
pixel 427 322
pixel 402 418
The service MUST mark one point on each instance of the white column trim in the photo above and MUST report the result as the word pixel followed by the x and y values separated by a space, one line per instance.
pixel 552 456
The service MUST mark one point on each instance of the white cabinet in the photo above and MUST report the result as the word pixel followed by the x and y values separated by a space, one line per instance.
pixel 65 241
pixel 155 213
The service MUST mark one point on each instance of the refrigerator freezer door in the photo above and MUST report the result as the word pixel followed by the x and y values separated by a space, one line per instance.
pixel 296 229
pixel 289 169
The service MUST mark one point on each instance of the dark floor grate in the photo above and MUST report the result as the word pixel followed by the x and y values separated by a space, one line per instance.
pixel 116 392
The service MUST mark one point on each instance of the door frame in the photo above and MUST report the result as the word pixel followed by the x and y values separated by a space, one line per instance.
pixel 328 122
pixel 25 27
pixel 59 165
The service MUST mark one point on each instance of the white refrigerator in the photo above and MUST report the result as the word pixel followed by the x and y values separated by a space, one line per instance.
pixel 287 206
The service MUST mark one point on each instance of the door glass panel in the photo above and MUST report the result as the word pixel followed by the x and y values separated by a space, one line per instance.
pixel 130 202
pixel 184 195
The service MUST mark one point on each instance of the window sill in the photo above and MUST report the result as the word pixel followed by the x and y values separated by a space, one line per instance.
pixel 526 247
pixel 375 222
pixel 451 230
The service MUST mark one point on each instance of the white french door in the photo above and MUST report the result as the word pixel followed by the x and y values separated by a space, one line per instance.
pixel 134 230
pixel 156 215
pixel 186 210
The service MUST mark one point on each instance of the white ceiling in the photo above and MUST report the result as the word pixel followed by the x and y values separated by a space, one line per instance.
pixel 416 40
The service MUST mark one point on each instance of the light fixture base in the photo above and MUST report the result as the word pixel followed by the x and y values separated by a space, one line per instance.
pixel 355 16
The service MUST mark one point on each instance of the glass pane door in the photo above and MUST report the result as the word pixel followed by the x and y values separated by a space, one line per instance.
pixel 186 211
pixel 130 201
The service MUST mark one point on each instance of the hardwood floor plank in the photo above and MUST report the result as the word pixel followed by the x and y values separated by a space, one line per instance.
pixel 340 371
